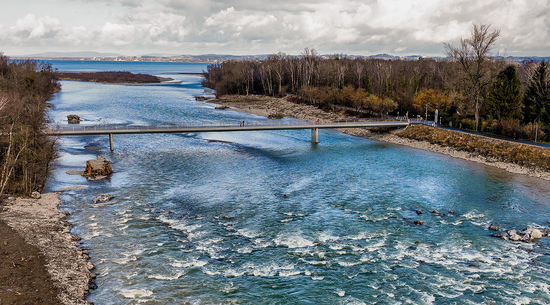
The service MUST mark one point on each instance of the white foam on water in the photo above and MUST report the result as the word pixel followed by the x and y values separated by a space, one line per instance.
pixel 123 228
pixel 166 277
pixel 289 273
pixel 376 218
pixel 193 262
pixel 167 220
pixel 96 233
pixel 317 278
pixel 232 273
pixel 286 220
pixel 125 260
pixel 325 237
pixel 473 215
pixel 348 264
pixel 394 209
pixel 262 243
pixel 214 251
pixel 294 214
pixel 207 242
pixel 315 263
pixel 210 271
pixel 137 251
pixel 292 241
pixel 248 233
pixel 354 301
pixel 376 245
pixel 522 301
pixel 245 249
pixel 136 293
pixel 270 269
pixel 368 235
pixel 340 292
pixel 229 288
pixel 454 223
pixel 185 227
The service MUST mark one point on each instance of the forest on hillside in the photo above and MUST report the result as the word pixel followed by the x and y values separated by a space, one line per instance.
pixel 25 151
pixel 470 86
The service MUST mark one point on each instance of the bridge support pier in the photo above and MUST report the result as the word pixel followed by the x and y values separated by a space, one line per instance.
pixel 111 142
pixel 314 135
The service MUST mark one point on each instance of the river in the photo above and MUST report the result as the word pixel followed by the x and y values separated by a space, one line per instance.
pixel 266 217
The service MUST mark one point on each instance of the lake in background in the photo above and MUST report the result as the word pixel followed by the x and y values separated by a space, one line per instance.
pixel 268 218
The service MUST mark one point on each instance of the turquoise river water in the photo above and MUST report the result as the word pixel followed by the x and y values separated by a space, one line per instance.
pixel 202 218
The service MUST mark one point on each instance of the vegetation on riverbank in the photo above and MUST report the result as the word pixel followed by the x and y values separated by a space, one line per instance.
pixel 25 151
pixel 504 151
pixel 111 77
pixel 504 98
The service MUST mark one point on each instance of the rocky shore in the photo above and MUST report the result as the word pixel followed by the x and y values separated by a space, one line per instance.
pixel 44 226
pixel 271 106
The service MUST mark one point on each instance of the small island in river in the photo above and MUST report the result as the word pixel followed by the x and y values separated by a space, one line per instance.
pixel 112 77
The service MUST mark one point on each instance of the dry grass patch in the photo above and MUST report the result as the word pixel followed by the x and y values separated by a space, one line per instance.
pixel 521 154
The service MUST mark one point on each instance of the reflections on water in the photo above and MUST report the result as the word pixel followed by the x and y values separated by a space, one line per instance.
pixel 266 217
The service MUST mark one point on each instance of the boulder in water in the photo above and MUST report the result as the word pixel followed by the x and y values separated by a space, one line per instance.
pixel 514 237
pixel 103 198
pixel 536 234
pixel 99 167
pixel 492 227
pixel 419 222
pixel 73 119
pixel 502 235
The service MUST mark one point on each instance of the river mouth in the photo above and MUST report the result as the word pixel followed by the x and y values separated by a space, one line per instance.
pixel 242 217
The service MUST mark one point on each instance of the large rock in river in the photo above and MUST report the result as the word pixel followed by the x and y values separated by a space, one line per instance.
pixel 99 167
pixel 73 119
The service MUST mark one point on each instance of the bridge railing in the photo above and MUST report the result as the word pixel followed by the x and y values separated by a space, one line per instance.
pixel 198 125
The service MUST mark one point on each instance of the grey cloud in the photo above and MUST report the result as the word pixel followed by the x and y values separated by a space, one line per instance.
pixel 337 26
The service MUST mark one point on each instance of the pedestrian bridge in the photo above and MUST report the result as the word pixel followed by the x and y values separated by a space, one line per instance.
pixel 80 130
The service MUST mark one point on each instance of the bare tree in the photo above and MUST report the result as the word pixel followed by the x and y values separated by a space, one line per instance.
pixel 473 57
pixel 358 69
pixel 278 69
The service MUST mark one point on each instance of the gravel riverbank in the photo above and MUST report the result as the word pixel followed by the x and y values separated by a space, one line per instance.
pixel 266 106
pixel 44 226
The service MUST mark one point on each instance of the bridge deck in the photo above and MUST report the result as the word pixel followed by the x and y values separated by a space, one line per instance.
pixel 221 127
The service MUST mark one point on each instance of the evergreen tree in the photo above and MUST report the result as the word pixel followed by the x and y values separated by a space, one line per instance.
pixel 504 99
pixel 536 102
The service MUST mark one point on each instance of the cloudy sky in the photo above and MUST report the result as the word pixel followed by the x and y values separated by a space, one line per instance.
pixel 138 27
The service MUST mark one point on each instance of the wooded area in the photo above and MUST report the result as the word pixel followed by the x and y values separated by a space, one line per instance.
pixel 472 88
pixel 25 151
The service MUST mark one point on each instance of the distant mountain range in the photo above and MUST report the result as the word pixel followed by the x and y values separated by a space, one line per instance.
pixel 213 58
